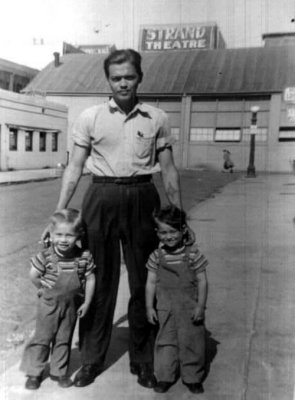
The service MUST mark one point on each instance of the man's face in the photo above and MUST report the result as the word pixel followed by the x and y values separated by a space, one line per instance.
pixel 123 80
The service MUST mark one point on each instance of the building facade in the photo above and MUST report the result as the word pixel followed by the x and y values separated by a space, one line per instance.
pixel 208 95
pixel 32 132
pixel 15 77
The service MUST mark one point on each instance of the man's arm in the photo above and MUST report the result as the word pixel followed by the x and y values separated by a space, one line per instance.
pixel 170 177
pixel 72 175
pixel 150 290
pixel 70 180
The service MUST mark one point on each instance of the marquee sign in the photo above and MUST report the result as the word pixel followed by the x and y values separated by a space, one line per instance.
pixel 180 37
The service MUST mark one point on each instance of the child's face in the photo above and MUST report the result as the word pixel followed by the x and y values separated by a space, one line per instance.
pixel 64 237
pixel 168 235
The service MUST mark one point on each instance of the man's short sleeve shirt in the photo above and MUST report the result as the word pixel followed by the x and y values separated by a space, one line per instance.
pixel 120 144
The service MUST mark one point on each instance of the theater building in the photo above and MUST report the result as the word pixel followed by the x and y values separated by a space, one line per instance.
pixel 207 91
pixel 32 132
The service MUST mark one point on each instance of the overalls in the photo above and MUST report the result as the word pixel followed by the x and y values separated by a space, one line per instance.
pixel 179 343
pixel 55 322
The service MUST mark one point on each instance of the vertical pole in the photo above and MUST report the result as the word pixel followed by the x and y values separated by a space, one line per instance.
pixel 251 172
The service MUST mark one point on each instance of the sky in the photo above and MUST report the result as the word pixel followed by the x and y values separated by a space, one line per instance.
pixel 31 30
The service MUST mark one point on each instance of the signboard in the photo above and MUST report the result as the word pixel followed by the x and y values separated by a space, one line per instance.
pixel 96 48
pixel 180 37
pixel 289 95
pixel 291 113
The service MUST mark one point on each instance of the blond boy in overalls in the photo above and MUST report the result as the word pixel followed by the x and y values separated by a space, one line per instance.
pixel 177 278
pixel 62 273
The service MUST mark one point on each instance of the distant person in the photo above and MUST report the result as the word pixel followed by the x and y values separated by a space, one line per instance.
pixel 123 142
pixel 228 165
pixel 63 275
pixel 177 278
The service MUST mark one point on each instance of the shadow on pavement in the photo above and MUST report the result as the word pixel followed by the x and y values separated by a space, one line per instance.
pixel 118 347
pixel 211 351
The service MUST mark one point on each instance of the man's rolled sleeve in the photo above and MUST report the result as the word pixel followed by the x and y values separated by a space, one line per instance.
pixel 81 132
pixel 164 138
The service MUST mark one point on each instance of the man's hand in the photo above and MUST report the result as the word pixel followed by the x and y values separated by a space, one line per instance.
pixel 152 316
pixel 198 314
pixel 190 236
pixel 45 236
pixel 82 310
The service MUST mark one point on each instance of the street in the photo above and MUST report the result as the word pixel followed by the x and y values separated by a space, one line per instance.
pixel 247 233
pixel 24 214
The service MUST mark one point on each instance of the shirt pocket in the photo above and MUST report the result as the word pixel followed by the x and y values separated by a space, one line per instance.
pixel 144 145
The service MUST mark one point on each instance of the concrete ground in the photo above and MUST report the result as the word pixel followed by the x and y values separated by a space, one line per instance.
pixel 247 233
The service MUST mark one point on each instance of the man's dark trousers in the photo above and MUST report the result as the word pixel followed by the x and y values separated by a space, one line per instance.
pixel 115 212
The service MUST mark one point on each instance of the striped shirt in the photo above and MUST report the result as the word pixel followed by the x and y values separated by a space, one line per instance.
pixel 47 261
pixel 197 260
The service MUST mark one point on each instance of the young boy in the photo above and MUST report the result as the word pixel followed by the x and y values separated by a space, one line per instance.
pixel 61 273
pixel 177 277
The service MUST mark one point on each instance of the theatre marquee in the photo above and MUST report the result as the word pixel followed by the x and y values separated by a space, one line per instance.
pixel 180 37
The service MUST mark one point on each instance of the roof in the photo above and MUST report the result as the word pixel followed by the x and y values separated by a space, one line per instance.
pixel 17 69
pixel 199 72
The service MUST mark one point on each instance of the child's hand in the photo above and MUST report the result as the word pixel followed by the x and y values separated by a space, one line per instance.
pixel 152 316
pixel 82 310
pixel 198 314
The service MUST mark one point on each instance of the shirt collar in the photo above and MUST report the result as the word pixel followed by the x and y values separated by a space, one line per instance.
pixel 177 251
pixel 138 108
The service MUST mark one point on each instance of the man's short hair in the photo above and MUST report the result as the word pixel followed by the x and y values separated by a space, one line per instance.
pixel 121 56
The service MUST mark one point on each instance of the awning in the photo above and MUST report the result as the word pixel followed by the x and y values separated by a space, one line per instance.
pixel 32 128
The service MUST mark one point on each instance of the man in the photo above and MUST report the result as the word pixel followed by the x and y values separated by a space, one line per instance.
pixel 124 142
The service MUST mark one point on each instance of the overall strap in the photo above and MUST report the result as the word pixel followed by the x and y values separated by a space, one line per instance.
pixel 161 257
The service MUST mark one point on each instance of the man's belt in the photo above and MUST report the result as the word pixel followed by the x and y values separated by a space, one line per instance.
pixel 122 180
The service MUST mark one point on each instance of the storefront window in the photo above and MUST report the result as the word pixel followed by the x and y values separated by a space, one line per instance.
pixel 175 133
pixel 13 133
pixel 42 141
pixel 201 134
pixel 28 140
pixel 54 142
pixel 287 134
pixel 260 135
pixel 227 135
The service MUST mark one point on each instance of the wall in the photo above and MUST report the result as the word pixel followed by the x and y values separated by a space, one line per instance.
pixel 33 114
pixel 202 128
pixel 75 105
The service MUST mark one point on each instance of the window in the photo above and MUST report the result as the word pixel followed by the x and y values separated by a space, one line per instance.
pixel 42 141
pixel 54 142
pixel 287 135
pixel 201 134
pixel 28 140
pixel 13 133
pixel 228 135
pixel 260 136
pixel 175 133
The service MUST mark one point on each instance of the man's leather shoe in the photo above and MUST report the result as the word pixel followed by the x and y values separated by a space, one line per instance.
pixel 63 381
pixel 162 387
pixel 87 375
pixel 33 382
pixel 195 387
pixel 146 376
pixel 134 368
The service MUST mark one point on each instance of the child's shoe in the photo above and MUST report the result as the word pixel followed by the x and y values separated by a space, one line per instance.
pixel 33 382
pixel 195 388
pixel 162 387
pixel 63 381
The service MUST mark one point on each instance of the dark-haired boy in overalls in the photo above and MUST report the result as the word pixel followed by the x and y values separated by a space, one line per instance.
pixel 177 278
pixel 62 273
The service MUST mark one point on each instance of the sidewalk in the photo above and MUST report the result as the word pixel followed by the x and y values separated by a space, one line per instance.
pixel 21 176
pixel 247 233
